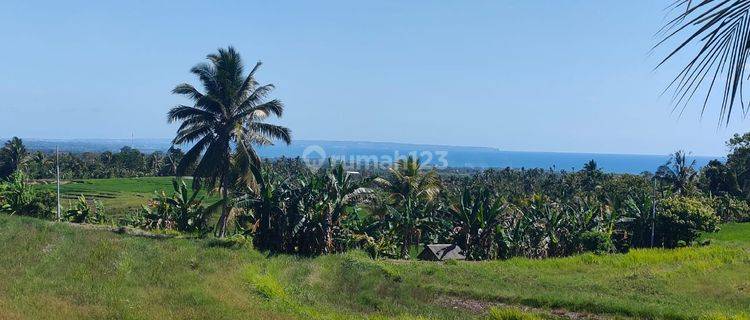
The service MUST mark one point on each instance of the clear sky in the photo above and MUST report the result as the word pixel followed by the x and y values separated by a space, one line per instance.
pixel 517 75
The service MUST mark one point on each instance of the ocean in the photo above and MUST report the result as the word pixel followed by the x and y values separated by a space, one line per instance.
pixel 384 153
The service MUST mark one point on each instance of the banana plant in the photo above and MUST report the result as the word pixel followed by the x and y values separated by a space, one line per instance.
pixel 476 213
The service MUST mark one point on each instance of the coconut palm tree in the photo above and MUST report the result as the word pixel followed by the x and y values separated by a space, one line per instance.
pixel 12 156
pixel 410 191
pixel 224 123
pixel 718 29
pixel 678 172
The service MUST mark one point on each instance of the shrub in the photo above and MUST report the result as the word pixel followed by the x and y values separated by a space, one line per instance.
pixel 596 241
pixel 731 209
pixel 82 212
pixel 18 197
pixel 183 211
pixel 680 220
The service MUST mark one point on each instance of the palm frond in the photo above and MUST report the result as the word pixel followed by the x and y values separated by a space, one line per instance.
pixel 721 31
pixel 191 157
pixel 261 111
pixel 273 131
pixel 182 112
pixel 188 90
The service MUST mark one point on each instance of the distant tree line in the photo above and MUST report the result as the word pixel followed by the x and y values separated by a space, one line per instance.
pixel 128 162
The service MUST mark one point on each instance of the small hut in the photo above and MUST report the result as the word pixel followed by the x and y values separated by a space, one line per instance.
pixel 441 252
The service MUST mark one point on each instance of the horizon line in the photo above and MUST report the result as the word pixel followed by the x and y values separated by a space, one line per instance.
pixel 498 149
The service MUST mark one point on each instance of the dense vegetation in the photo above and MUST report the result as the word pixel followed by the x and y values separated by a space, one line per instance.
pixel 491 214
pixel 284 206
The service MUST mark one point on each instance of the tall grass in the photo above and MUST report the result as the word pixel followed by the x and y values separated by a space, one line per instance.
pixel 53 270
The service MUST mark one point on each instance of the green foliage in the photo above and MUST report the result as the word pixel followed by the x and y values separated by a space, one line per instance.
pixel 682 219
pixel 265 284
pixel 121 196
pixel 84 212
pixel 18 197
pixel 476 214
pixel 125 163
pixel 182 211
pixel 305 214
pixel 678 173
pixel 509 313
pixel 411 195
pixel 13 155
pixel 719 179
pixel 731 209
pixel 596 241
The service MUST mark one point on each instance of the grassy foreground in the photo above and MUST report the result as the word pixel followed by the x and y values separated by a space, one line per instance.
pixel 58 271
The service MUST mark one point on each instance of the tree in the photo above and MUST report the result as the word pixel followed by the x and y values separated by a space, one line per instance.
pixel 341 194
pixel 173 157
pixel 738 161
pixel 410 191
pixel 718 30
pixel 476 212
pixel 592 175
pixel 12 156
pixel 224 123
pixel 681 219
pixel 267 201
pixel 718 179
pixel 678 172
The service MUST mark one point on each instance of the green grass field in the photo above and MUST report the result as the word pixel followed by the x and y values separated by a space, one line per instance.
pixel 58 271
pixel 118 194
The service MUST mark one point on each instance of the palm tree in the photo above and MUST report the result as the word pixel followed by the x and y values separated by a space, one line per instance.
pixel 718 29
pixel 410 191
pixel 225 122
pixel 12 156
pixel 678 172
pixel 342 192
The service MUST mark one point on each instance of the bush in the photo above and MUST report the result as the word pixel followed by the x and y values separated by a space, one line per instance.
pixel 183 211
pixel 507 313
pixel 18 197
pixel 82 212
pixel 596 241
pixel 681 219
pixel 731 209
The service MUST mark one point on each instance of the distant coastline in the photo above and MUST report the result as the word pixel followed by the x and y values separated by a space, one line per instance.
pixel 456 156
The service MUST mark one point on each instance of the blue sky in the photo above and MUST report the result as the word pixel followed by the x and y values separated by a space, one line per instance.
pixel 517 75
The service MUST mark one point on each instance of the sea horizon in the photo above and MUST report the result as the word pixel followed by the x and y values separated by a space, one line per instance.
pixel 441 156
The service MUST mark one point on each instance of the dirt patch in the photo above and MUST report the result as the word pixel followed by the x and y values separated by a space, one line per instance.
pixel 480 306
pixel 121 230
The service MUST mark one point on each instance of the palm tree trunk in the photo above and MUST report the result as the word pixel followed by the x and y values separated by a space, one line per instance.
pixel 224 219
pixel 467 245
pixel 328 230
pixel 405 244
